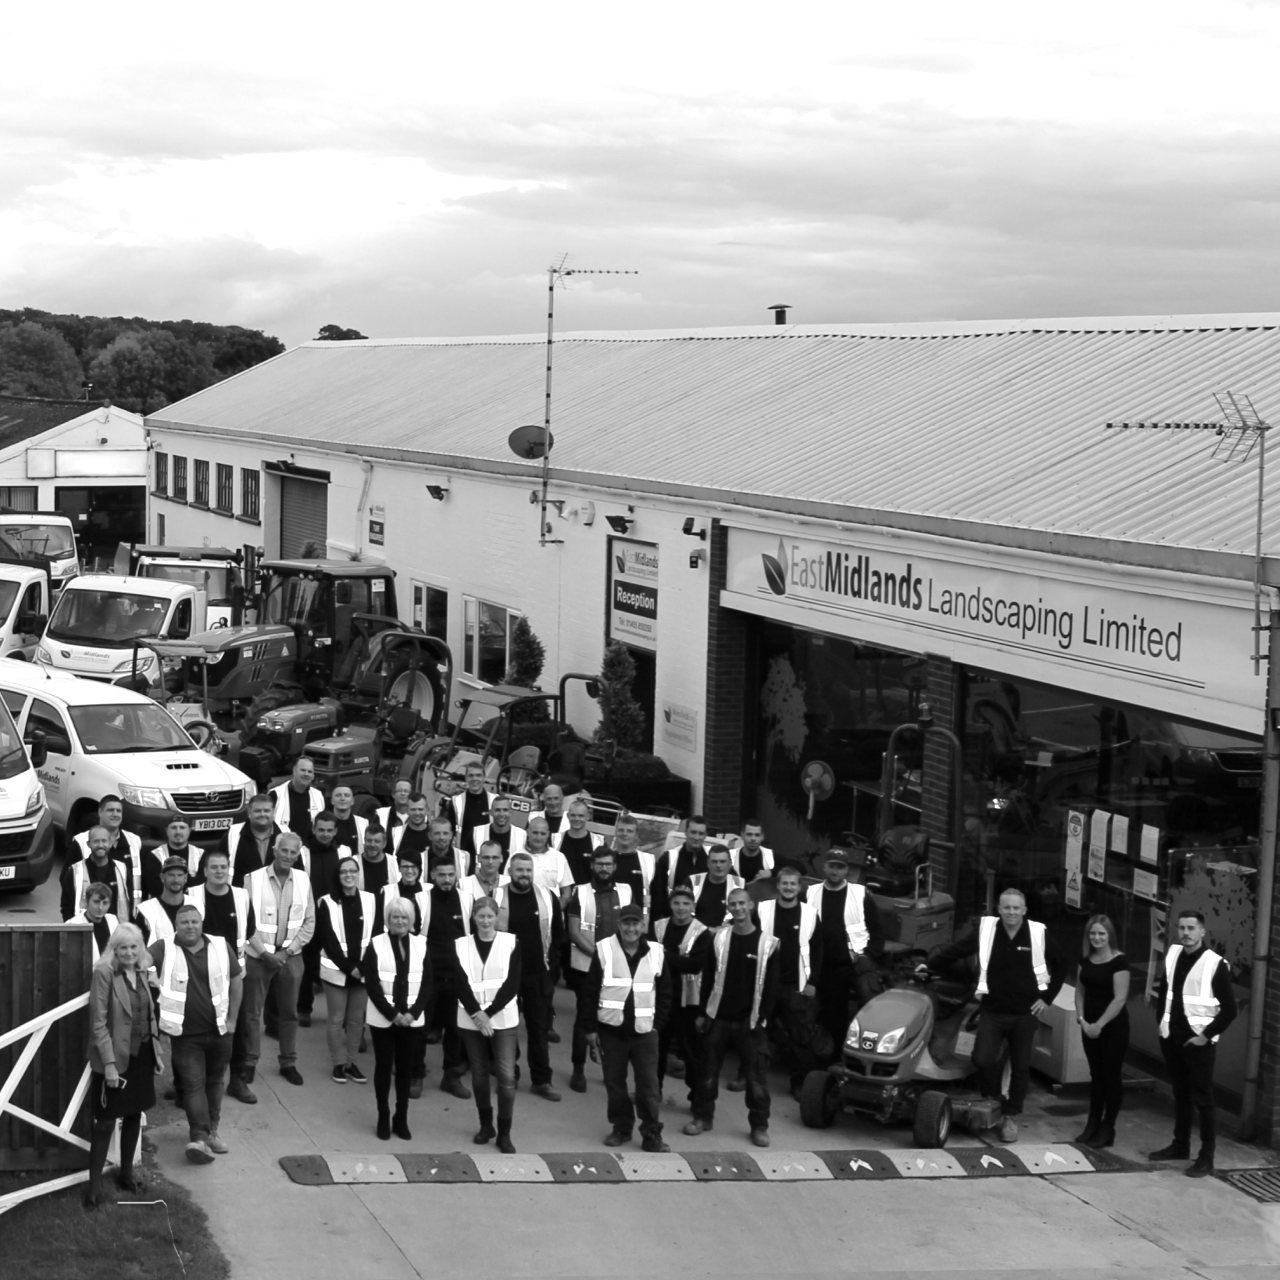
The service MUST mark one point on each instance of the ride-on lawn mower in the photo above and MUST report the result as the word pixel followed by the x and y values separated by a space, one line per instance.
pixel 907 1056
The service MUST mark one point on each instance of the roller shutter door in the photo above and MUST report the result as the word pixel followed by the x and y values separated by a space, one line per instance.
pixel 304 516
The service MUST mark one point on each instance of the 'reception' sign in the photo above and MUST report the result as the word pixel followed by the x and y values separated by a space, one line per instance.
pixel 1092 627
pixel 633 593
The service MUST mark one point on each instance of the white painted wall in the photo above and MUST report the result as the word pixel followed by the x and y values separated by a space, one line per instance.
pixel 115 436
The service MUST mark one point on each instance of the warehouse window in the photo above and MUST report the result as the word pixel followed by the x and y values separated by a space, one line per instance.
pixel 201 498
pixel 250 489
pixel 226 487
pixel 162 473
pixel 179 478
pixel 431 609
pixel 23 497
pixel 486 639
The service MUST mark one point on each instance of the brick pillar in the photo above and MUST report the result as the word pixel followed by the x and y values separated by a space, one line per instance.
pixel 1269 1072
pixel 725 751
pixel 942 694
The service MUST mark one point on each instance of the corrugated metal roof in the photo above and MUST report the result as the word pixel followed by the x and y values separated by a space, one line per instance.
pixel 1000 423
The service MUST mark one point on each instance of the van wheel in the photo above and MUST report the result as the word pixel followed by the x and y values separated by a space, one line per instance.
pixel 932 1125
pixel 819 1099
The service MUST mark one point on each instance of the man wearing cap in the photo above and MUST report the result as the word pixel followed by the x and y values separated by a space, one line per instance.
pixel 623 1004
pixel 157 916
pixel 852 940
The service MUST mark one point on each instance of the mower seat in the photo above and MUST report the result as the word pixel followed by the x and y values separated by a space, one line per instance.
pixel 401 725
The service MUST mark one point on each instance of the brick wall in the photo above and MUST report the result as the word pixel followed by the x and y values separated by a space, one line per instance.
pixel 941 693
pixel 727 733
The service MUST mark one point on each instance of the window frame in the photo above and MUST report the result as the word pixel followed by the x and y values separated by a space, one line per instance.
pixel 179 468
pixel 471 650
pixel 250 493
pixel 200 482
pixel 224 488
pixel 160 480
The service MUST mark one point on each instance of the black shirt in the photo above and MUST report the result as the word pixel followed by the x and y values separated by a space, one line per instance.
pixel 300 813
pixel 688 863
pixel 627 870
pixel 377 875
pixel 324 869
pixel 1011 981
pixel 1097 981
pixel 750 865
pixel 447 924
pixel 740 979
pixel 171 910
pixel 786 928
pixel 710 905
pixel 577 851
pixel 348 833
pixel 101 934
pixel 220 917
pixel 835 937
pixel 105 874
pixel 475 813
pixel 248 856
pixel 522 920
pixel 414 844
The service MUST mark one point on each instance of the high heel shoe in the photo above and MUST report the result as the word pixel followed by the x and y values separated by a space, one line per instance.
pixel 384 1126
pixel 1088 1133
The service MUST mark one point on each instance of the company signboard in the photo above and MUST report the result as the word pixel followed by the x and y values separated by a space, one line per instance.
pixel 633 593
pixel 1161 640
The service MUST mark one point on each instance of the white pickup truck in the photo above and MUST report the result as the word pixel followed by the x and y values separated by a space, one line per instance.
pixel 101 622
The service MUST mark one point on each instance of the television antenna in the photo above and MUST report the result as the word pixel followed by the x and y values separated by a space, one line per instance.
pixel 557 273
pixel 1241 429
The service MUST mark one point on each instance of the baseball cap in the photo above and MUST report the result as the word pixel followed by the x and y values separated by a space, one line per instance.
pixel 174 864
pixel 631 912
pixel 682 891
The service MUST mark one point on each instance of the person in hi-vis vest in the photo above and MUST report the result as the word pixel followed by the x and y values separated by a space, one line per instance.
pixel 1197 1004
pixel 1020 972
pixel 201 985
pixel 625 1002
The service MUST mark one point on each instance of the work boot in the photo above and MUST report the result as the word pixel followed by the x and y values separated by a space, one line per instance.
pixel 452 1085
pixel 617 1138
pixel 737 1085
pixel 578 1079
pixel 697 1126
pixel 240 1091
pixel 545 1091
pixel 760 1137
pixel 553 1036
pixel 505 1145
pixel 199 1153
pixel 216 1144
pixel 1174 1151
pixel 486 1132
pixel 415 1086
pixel 1202 1167
pixel 655 1144
pixel 1008 1129
pixel 400 1124
pixel 675 1068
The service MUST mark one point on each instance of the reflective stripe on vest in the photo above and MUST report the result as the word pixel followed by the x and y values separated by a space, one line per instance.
pixel 721 944
pixel 266 906
pixel 329 972
pixel 690 983
pixel 855 918
pixel 808 924
pixel 382 948
pixel 134 846
pixel 766 858
pixel 486 979
pixel 1198 1001
pixel 618 982
pixel 733 882
pixel 239 899
pixel 173 985
pixel 112 925
pixel 159 926
pixel 986 940
pixel 80 885
pixel 587 921
pixel 543 899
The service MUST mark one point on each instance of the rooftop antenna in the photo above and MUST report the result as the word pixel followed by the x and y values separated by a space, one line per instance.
pixel 529 445
pixel 1241 428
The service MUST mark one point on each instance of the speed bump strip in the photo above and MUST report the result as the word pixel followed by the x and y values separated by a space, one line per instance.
pixel 1019 1159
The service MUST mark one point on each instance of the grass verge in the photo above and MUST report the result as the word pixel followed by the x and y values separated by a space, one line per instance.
pixel 55 1238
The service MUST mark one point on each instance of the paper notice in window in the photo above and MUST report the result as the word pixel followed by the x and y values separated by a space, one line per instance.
pixel 1146 884
pixel 1150 844
pixel 1074 856
pixel 1098 844
pixel 1120 834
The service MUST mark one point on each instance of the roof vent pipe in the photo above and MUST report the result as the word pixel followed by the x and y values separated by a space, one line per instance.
pixel 780 310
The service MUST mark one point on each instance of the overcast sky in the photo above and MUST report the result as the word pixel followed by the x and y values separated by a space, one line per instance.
pixel 412 169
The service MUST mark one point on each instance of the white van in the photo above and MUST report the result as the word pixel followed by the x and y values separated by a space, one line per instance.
pixel 24 609
pixel 99 618
pixel 40 536
pixel 26 823
pixel 100 739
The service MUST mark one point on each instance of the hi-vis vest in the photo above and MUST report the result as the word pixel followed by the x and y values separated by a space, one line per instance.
pixel 766 858
pixel 112 925
pixel 544 918
pixel 384 949
pixel 720 943
pixel 159 926
pixel 597 841
pixel 266 907
pixel 808 923
pixel 690 983
pixel 486 979
pixel 315 803
pixel 515 845
pixel 80 883
pixel 986 939
pixel 243 831
pixel 173 984
pixel 673 865
pixel 474 890
pixel 587 920
pixel 855 918
pixel 648 868
pixel 733 882
pixel 619 982
pixel 239 899
pixel 343 851
pixel 1198 1001
pixel 329 972
pixel 426 903
pixel 459 802
pixel 388 817
pixel 133 848
pixel 557 826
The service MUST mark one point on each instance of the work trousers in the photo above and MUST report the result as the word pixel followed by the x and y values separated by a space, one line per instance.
pixel 575 978
pixel 681 1034
pixel 621 1048
pixel 283 981
pixel 995 1031
pixel 200 1072
pixel 536 996
pixel 310 976
pixel 344 1022
pixel 442 1014
pixel 785 1033
pixel 393 1050
pixel 722 1035
pixel 495 1056
pixel 1105 1056
pixel 1191 1074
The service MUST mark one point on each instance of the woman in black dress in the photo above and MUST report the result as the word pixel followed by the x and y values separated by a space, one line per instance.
pixel 124 1055
pixel 1101 992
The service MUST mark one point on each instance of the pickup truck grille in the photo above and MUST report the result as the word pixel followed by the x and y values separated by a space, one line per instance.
pixel 208 801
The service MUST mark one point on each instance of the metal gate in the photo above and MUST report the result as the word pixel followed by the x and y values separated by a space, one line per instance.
pixel 304 516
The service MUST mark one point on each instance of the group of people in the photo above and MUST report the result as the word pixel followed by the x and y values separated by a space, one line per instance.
pixel 456 928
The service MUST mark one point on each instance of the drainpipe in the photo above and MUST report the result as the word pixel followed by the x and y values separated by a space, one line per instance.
pixel 364 497
pixel 1266 885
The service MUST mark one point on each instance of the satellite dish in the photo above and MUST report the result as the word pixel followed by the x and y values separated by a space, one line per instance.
pixel 528 442
pixel 819 780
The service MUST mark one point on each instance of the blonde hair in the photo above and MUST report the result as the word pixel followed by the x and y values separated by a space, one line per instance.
pixel 122 933
pixel 399 907
pixel 1112 941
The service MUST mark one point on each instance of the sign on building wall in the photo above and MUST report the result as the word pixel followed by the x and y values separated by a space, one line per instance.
pixel 633 593
pixel 1163 640
pixel 377 526
pixel 680 725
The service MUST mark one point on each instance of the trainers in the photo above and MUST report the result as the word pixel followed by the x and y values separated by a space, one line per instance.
pixel 695 1127
pixel 216 1144
pixel 1172 1152
pixel 237 1089
pixel 199 1153
pixel 1201 1168
pixel 616 1138
pixel 291 1074
pixel 545 1091
pixel 1008 1129
pixel 760 1137
pixel 355 1075
pixel 578 1080
pixel 339 1075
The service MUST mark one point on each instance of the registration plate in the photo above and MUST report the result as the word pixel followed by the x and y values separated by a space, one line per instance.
pixel 211 824
pixel 8 873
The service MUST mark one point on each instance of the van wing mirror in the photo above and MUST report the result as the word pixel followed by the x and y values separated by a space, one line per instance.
pixel 38 749
pixel 32 623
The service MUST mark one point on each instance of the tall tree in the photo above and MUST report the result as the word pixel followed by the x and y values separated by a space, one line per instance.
pixel 36 361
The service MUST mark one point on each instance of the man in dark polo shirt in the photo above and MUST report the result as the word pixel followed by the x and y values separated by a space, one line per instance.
pixel 449 911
